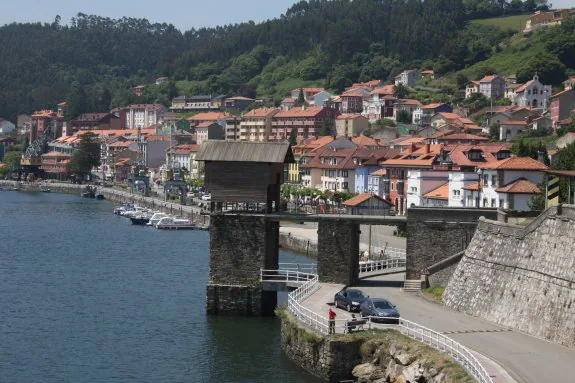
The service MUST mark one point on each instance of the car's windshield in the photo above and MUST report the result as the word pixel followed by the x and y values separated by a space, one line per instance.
pixel 355 294
pixel 382 305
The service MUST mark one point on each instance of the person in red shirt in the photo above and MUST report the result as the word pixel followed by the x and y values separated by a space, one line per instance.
pixel 331 314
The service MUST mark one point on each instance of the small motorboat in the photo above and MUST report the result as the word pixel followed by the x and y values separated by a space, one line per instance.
pixel 140 220
pixel 45 190
pixel 156 217
pixel 170 223
pixel 99 196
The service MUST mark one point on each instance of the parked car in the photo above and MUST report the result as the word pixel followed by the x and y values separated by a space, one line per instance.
pixel 206 197
pixel 349 299
pixel 381 310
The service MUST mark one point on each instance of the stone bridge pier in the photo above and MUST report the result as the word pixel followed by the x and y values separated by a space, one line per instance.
pixel 240 246
pixel 338 251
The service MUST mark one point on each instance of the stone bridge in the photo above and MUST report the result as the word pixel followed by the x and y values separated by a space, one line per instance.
pixel 241 245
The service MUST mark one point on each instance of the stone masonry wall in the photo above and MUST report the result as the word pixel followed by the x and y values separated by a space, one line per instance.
pixel 434 234
pixel 240 246
pixel 338 251
pixel 521 277
pixel 328 359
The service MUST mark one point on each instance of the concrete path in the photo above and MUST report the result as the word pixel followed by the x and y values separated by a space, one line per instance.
pixel 525 358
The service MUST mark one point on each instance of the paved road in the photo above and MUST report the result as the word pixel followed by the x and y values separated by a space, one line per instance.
pixel 525 358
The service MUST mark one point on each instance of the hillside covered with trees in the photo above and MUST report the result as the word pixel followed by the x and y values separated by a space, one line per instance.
pixel 328 43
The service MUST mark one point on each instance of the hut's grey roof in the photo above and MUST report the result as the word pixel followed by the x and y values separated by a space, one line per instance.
pixel 243 151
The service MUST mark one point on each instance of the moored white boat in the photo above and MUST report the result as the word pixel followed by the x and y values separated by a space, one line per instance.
pixel 171 223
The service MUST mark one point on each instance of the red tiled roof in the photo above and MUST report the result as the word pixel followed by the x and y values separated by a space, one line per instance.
pixel 522 88
pixel 459 153
pixel 380 172
pixel 261 113
pixel 448 116
pixel 407 101
pixel 348 116
pixel 384 90
pixel 432 106
pixel 441 192
pixel 563 92
pixel 288 100
pixel 489 78
pixel 361 198
pixel 56 154
pixel 464 136
pixel 516 163
pixel 474 186
pixel 519 186
pixel 311 111
pixel 428 71
pixel 208 116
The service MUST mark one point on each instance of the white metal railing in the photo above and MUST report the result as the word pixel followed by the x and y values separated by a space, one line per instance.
pixel 303 267
pixel 440 342
pixel 379 253
pixel 285 276
pixel 391 263
pixel 446 345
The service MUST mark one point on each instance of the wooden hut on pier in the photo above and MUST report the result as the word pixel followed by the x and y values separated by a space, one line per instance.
pixel 245 172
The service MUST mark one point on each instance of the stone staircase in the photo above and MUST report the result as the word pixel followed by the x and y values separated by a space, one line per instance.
pixel 412 285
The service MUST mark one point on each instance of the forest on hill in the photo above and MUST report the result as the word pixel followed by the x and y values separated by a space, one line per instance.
pixel 330 43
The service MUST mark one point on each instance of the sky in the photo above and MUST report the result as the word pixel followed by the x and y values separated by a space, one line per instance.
pixel 184 14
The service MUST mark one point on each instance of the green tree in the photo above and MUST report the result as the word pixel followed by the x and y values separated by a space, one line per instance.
pixel 293 136
pixel 548 67
pixel 86 156
pixel 77 102
pixel 494 131
pixel 403 116
pixel 401 91
pixel 12 160
pixel 300 98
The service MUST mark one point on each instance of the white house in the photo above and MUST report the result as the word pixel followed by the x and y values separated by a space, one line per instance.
pixel 533 94
pixel 407 77
pixel 6 126
pixel 421 182
pixel 507 184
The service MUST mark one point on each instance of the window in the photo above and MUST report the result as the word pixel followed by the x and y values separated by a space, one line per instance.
pixel 413 189
pixel 485 179
pixel 493 180
pixel 392 185
pixel 344 185
pixel 344 173
pixel 501 203
pixel 456 193
pixel 493 202
pixel 485 202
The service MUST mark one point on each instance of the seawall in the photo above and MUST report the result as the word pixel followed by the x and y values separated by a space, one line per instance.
pixel 521 277
pixel 190 212
pixel 298 244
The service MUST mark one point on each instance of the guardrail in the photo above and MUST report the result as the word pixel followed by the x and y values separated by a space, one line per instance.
pixel 285 276
pixel 303 267
pixel 448 346
pixel 392 263
pixel 440 342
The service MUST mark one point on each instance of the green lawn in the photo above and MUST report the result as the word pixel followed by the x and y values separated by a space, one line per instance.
pixel 515 23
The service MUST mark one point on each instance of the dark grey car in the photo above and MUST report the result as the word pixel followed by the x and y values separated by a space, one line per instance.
pixel 381 310
pixel 349 299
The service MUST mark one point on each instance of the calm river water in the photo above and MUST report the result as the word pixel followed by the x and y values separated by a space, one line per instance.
pixel 87 297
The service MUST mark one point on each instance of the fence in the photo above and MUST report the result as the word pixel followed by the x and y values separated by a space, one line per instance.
pixel 446 345
pixel 440 342
pixel 310 268
pixel 391 263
